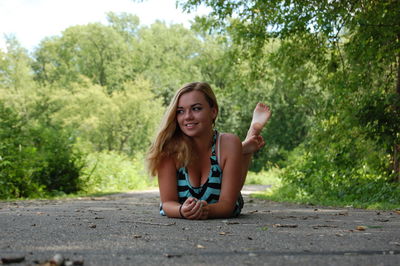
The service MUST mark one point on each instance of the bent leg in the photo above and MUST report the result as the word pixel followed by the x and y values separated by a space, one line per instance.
pixel 254 141
pixel 261 115
pixel 249 146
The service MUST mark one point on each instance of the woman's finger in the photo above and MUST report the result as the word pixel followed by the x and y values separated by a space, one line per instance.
pixel 195 212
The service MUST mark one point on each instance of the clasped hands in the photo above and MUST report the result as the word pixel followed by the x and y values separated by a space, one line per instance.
pixel 194 209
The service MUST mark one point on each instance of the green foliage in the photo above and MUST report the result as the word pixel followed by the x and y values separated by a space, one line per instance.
pixel 328 69
pixel 123 122
pixel 35 159
pixel 15 70
pixel 291 193
pixel 112 171
pixel 167 56
pixel 125 24
pixel 334 87
pixel 94 51
pixel 270 177
pixel 58 165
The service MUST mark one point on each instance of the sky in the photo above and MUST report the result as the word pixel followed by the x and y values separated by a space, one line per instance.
pixel 33 20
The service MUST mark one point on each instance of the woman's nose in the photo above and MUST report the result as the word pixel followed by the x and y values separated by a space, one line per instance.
pixel 189 114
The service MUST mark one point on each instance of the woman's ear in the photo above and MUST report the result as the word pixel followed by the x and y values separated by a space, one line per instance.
pixel 214 113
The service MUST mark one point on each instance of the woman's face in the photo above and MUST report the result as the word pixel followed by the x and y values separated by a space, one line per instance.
pixel 194 115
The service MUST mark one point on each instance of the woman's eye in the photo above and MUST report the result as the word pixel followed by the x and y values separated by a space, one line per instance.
pixel 196 108
pixel 179 111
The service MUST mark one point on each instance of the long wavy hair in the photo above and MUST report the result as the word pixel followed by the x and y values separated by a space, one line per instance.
pixel 170 140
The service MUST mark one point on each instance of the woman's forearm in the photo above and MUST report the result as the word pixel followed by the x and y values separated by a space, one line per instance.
pixel 171 209
pixel 221 209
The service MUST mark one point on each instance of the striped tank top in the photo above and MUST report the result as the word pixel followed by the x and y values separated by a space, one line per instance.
pixel 211 189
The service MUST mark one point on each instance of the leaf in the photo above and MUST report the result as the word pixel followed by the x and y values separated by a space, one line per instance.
pixel 375 226
pixel 230 222
pixel 172 255
pixel 361 228
pixel 324 225
pixel 10 260
pixel 285 225
pixel 342 214
pixel 382 220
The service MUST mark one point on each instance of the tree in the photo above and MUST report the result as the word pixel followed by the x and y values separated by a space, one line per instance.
pixel 346 54
pixel 36 157
pixel 167 55
pixel 94 51
pixel 15 69
pixel 122 122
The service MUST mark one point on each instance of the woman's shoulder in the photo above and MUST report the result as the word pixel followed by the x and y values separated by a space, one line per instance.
pixel 230 141
pixel 167 162
pixel 229 136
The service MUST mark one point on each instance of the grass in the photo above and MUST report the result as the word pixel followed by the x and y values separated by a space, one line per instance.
pixel 269 177
pixel 282 192
pixel 288 193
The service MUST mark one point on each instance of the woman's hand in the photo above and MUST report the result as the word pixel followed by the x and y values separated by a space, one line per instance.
pixel 204 210
pixel 194 209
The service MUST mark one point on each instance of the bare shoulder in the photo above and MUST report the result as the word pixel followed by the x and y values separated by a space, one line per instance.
pixel 230 144
pixel 166 164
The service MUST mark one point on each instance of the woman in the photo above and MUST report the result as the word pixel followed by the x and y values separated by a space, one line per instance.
pixel 201 172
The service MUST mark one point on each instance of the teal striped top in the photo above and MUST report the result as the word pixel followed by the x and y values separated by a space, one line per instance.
pixel 210 190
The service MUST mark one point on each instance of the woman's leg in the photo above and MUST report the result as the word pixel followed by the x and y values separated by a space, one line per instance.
pixel 254 141
pixel 261 115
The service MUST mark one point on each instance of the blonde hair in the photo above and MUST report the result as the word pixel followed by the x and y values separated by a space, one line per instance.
pixel 170 141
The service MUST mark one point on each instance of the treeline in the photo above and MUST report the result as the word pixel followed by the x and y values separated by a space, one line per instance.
pixel 334 82
pixel 79 112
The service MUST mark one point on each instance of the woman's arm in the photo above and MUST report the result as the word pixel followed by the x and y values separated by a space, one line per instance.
pixel 167 183
pixel 231 164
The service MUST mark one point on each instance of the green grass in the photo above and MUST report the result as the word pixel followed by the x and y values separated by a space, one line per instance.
pixel 288 193
pixel 269 177
pixel 111 171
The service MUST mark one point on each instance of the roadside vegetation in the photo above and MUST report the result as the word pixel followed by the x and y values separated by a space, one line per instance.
pixel 78 112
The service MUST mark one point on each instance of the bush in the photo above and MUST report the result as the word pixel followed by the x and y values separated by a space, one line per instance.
pixel 36 159
pixel 112 171
pixel 340 163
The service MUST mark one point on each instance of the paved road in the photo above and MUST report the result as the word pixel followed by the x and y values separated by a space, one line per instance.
pixel 126 229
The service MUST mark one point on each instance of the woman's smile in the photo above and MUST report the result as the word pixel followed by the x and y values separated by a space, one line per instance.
pixel 191 125
pixel 194 114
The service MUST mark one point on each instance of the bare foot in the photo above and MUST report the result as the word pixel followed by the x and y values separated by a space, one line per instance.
pixel 252 144
pixel 261 115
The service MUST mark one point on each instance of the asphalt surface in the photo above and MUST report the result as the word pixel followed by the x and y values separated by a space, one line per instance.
pixel 126 229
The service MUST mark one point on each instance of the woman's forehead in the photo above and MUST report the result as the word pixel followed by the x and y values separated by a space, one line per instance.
pixel 191 98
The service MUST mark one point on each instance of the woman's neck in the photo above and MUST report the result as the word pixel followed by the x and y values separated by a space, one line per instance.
pixel 204 143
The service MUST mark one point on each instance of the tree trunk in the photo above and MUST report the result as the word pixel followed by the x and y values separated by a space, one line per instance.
pixel 396 146
pixel 396 165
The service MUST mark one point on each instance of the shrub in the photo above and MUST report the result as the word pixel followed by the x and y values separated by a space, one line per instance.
pixel 36 158
pixel 112 171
